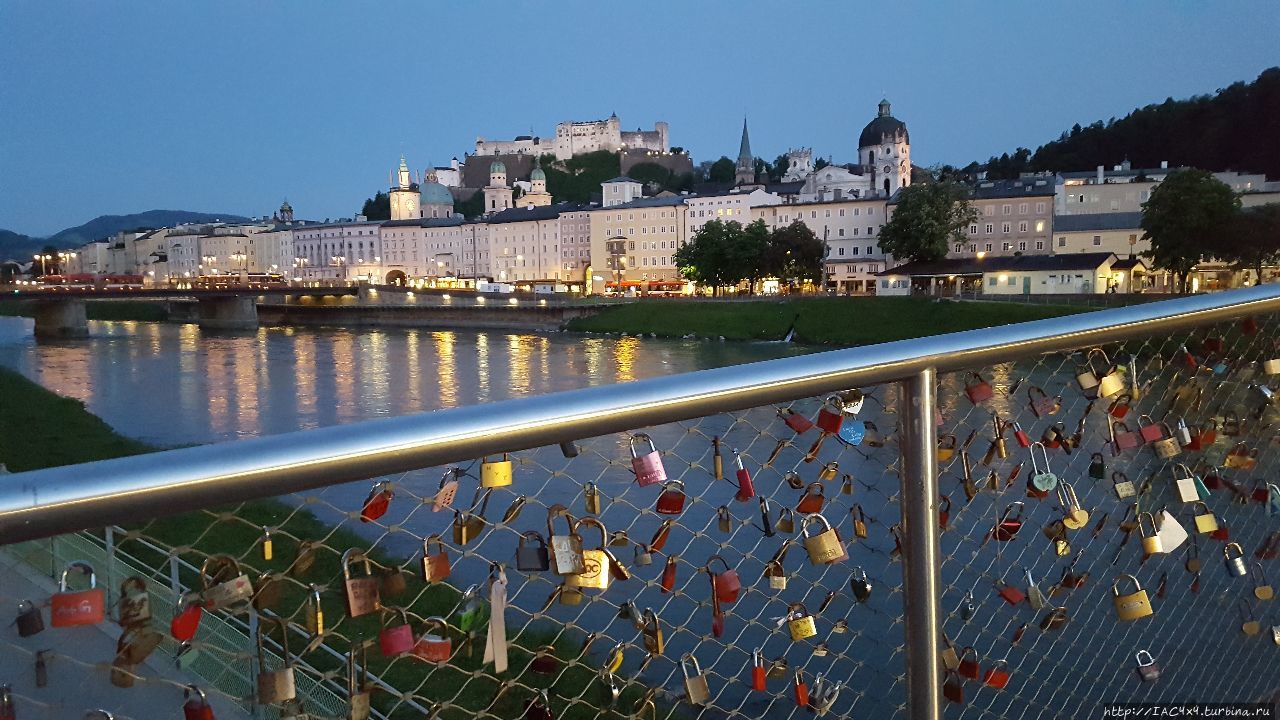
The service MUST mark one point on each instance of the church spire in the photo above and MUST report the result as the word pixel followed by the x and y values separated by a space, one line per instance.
pixel 745 171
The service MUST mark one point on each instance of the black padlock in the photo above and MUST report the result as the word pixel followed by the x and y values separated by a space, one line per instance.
pixel 569 449
pixel 531 554
pixel 30 621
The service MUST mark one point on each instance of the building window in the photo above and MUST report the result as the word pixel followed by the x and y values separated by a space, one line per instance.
pixel 989 228
pixel 1022 208
pixel 1097 240
pixel 991 282
pixel 973 229
pixel 958 246
pixel 1006 209
pixel 1022 226
pixel 1039 226
pixel 1006 246
pixel 870 249
pixel 1004 228
pixel 1012 280
pixel 841 212
pixel 841 232
pixel 1039 208
pixel 1062 242
pixel 855 231
pixel 853 250
pixel 1040 245
pixel 1022 245
pixel 988 247
pixel 841 251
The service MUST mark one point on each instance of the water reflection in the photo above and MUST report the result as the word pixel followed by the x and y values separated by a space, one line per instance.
pixel 175 385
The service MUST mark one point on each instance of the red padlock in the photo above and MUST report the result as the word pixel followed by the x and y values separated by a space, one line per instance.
pixel 953 688
pixel 997 676
pixel 660 535
pixel 726 584
pixel 979 391
pixel 1189 359
pixel 944 512
pixel 813 499
pixel 797 422
pixel 434 648
pixel 1010 523
pixel 969 663
pixel 671 501
pixel 78 607
pixel 435 564
pixel 1126 439
pixel 1120 406
pixel 1213 480
pixel 831 415
pixel 1024 440
pixel 758 672
pixel 1212 346
pixel 197 705
pixel 1152 431
pixel 669 575
pixel 396 639
pixel 186 619
pixel 746 489
pixel 801 689
pixel 375 506
pixel 647 467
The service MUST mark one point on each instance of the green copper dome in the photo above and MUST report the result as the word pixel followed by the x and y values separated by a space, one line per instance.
pixel 497 167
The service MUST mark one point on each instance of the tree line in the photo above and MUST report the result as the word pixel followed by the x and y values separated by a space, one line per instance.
pixel 726 254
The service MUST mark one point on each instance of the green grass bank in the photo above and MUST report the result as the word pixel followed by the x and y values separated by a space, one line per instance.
pixel 838 321
pixel 40 429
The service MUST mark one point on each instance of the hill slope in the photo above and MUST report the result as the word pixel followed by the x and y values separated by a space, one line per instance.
pixel 107 225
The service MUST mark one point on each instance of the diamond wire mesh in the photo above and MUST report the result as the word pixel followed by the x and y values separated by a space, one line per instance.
pixel 1053 672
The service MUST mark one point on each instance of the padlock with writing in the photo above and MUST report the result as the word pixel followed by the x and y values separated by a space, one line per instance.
pixel 1075 516
pixel 1130 606
pixel 1123 486
pixel 647 465
pixel 695 683
pixel 1041 477
pixel 1233 557
pixel 314 611
pixel 435 560
pixel 566 550
pixel 1148 670
pixel 275 686
pixel 377 503
pixel 305 559
pixel 825 546
pixel 1167 446
pixel 396 636
pixel 671 500
pixel 777 575
pixel 595 562
pixel 495 473
pixel 70 608
pixel 196 705
pixel 223 585
pixel 800 623
pixel 30 620
pixel 433 647
pixel 726 582
pixel 813 499
pixel 531 553
pixel 363 591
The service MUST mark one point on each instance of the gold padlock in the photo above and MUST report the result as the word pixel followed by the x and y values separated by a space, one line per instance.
pixel 1206 521
pixel 1134 605
pixel 1151 544
pixel 829 471
pixel 652 629
pixel 496 473
pixel 776 574
pixel 800 623
pixel 592 499
pixel 823 547
pixel 595 573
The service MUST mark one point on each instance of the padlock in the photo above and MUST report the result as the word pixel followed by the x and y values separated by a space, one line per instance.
pixel 953 687
pixel 1271 367
pixel 539 707
pixel 1055 436
pixel 432 647
pixel 595 562
pixel 305 559
pixel 70 608
pixel 1119 407
pixel 830 415
pixel 977 389
pixel 1235 561
pixel 1241 458
pixel 1134 605
pixel 1041 477
pixel 786 521
pixel 566 550
pixel 544 661
pixel 1151 431
pixel 758 674
pixel 1075 516
pixel 359 696
pixel 1167 447
pixel 1110 384
pixel 944 514
pixel 797 422
pixel 224 594
pixel 394 581
pixel 1024 440
pixel 860 585
pixel 1148 670
pixel 1205 436
pixel 1250 626
pixel 447 491
pixel 793 480
pixel 668 580
pixel 362 592
pixel 315 612
pixel 829 471
pixel 1010 522
pixel 1261 588
pixel 196 705
pixel 186 617
pixel 567 594
pixel 435 565
pixel 1124 440
pixel 377 503
pixel 275 686
pixel 799 622
pixel 474 613
pixel 468 524
pixel 495 473
pixel 659 539
pixel 1055 619
pixel 1009 593
pixel 746 489
pixel 1185 482
pixel 531 557
pixel 647 467
pixel 825 546
pixel 725 521
pixel 1087 374
pixel 860 521
pixel 946 447
pixel 395 638
pixel 643 557
pixel 671 500
pixel 591 499
pixel 1206 521
pixel 1041 404
pixel 813 499
pixel 651 630
pixel 695 684
pixel 1123 486
pixel 969 666
pixel 1151 544
pixel 872 436
pixel 726 584
pixel 267 590
pixel 776 574
pixel 997 676
pixel 30 620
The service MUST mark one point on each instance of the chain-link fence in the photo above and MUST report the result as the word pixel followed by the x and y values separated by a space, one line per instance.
pixel 710 586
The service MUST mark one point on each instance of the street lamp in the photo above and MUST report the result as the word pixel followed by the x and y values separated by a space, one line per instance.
pixel 44 269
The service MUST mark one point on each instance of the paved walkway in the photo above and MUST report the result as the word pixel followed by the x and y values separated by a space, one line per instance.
pixel 79 665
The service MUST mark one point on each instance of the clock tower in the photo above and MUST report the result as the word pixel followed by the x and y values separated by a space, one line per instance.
pixel 405 199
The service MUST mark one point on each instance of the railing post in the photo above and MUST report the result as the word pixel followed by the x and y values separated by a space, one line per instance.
pixel 921 572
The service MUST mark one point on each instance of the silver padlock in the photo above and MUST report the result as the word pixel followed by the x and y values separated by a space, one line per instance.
pixel 227 594
pixel 275 686
pixel 696 684
pixel 1235 561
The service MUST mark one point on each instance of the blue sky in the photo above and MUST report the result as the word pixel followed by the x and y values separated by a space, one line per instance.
pixel 230 106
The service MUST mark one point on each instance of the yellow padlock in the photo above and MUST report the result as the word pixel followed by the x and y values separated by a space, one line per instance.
pixel 800 623
pixel 496 473
pixel 1151 544
pixel 1134 605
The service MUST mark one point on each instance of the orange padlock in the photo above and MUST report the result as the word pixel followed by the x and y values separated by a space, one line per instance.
pixel 78 607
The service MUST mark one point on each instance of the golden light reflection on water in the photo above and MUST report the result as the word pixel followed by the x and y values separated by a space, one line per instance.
pixel 518 349
pixel 482 367
pixel 446 368
pixel 344 380
pixel 304 363
pixel 244 370
pixel 219 387
pixel 625 354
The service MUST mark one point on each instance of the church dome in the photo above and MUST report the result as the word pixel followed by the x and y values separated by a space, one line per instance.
pixel 537 174
pixel 884 124
pixel 433 193
pixel 497 167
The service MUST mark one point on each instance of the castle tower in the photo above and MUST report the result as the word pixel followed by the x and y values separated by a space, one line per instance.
pixel 497 195
pixel 404 197
pixel 884 148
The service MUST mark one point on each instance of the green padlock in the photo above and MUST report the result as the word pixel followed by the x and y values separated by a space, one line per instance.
pixel 474 613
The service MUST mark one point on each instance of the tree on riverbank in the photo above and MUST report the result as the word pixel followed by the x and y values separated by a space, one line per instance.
pixel 727 253
pixel 1184 220
pixel 926 219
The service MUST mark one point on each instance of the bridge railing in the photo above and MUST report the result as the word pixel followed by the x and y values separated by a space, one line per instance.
pixel 946 518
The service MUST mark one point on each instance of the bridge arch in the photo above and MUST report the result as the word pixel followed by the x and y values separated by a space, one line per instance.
pixel 397 278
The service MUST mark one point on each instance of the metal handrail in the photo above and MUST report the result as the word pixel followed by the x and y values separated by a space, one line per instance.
pixel 49 502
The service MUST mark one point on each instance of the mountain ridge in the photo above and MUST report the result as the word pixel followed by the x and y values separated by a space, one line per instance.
pixel 14 245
